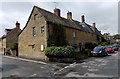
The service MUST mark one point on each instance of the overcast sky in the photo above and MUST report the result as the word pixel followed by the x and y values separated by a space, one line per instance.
pixel 104 14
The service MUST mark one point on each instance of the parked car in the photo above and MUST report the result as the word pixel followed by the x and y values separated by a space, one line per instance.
pixel 109 49
pixel 115 47
pixel 99 51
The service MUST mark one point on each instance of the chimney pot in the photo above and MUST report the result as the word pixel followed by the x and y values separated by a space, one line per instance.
pixel 83 18
pixel 69 15
pixel 17 24
pixel 57 11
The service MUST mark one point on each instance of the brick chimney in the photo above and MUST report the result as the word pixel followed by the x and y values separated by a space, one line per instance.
pixel 69 15
pixel 57 11
pixel 83 18
pixel 17 24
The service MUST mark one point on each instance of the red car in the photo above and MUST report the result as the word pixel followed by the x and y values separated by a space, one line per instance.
pixel 109 49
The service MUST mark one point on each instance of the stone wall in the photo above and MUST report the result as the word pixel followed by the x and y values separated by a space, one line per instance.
pixel 29 45
pixel 81 37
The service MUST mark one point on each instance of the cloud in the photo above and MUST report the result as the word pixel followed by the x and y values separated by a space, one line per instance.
pixel 12 12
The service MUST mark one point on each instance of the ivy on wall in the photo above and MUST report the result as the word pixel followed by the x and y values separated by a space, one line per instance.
pixel 58 35
pixel 13 46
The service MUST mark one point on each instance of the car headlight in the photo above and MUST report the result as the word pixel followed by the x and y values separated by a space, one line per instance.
pixel 100 51
pixel 91 51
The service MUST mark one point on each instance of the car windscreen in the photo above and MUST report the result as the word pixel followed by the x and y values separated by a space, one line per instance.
pixel 109 47
pixel 96 49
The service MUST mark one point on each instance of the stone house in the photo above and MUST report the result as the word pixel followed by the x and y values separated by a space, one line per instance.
pixel 3 44
pixel 12 38
pixel 35 35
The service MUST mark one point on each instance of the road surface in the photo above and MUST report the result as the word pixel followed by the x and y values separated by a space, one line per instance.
pixel 106 67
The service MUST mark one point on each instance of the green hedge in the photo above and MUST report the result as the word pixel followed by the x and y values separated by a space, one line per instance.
pixel 61 52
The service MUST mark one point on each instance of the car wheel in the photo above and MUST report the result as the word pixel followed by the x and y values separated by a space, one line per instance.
pixel 106 54
pixel 103 54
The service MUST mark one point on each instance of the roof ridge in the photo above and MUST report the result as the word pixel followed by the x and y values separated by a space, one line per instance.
pixel 54 14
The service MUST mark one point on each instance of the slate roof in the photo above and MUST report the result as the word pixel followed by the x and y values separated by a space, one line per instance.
pixel 51 17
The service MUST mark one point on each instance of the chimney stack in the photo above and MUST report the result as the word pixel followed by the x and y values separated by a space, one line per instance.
pixel 83 18
pixel 94 25
pixel 57 11
pixel 69 15
pixel 17 24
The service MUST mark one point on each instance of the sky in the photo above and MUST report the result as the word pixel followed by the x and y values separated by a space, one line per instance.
pixel 103 13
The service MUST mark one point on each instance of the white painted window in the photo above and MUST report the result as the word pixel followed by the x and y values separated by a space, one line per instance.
pixel 42 47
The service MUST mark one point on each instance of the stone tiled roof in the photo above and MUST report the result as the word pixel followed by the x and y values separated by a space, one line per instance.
pixel 51 17
pixel 8 29
pixel 4 36
pixel 87 27
pixel 95 30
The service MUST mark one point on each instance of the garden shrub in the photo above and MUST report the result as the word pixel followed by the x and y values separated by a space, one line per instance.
pixel 60 52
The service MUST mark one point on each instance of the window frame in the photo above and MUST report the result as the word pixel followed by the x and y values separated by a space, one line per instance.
pixel 42 29
pixel 74 34
pixel 35 24
pixel 35 20
pixel 34 31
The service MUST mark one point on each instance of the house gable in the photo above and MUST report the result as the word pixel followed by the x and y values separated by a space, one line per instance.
pixel 33 35
pixel 12 36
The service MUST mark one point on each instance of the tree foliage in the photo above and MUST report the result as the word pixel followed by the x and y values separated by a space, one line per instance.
pixel 117 36
pixel 13 46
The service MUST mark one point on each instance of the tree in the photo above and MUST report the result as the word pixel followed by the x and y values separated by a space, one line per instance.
pixel 117 36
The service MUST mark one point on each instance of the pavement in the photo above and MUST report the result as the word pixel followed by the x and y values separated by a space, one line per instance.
pixel 92 68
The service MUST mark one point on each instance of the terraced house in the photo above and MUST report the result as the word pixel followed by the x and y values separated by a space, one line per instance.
pixel 37 33
pixel 3 44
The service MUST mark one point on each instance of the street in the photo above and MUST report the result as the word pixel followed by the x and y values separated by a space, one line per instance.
pixel 91 67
